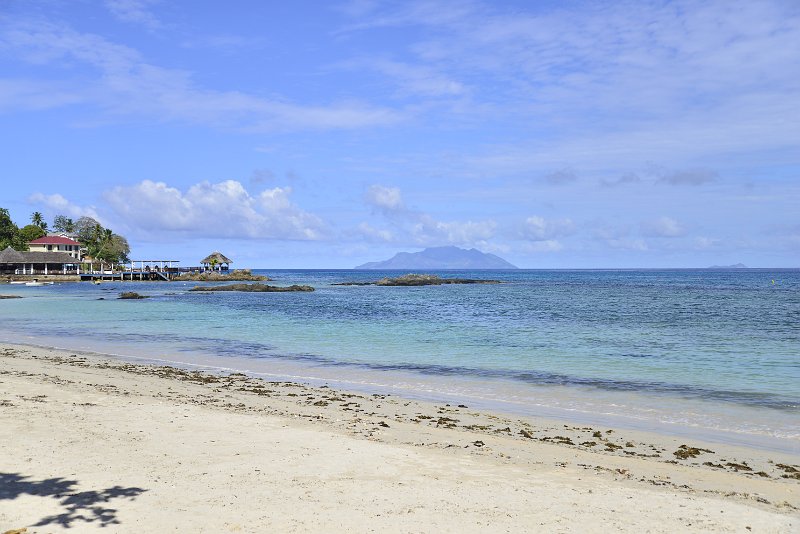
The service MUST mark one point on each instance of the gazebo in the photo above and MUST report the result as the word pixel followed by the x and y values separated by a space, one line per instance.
pixel 216 261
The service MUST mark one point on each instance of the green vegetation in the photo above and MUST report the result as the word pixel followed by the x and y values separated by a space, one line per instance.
pixel 62 223
pixel 38 220
pixel 9 233
pixel 31 232
pixel 235 275
pixel 101 244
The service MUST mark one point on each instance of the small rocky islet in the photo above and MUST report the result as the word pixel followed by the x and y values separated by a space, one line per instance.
pixel 131 295
pixel 419 280
pixel 254 288
pixel 237 275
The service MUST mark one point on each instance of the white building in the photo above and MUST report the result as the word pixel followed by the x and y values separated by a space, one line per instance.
pixel 54 243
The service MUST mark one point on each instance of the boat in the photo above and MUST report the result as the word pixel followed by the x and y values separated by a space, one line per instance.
pixel 36 282
pixel 18 282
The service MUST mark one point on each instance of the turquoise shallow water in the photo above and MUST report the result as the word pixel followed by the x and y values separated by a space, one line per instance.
pixel 715 351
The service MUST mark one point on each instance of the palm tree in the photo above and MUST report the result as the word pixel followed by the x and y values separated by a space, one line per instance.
pixel 104 236
pixel 38 220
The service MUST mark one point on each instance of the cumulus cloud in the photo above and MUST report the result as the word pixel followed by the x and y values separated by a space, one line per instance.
pixel 428 231
pixel 224 209
pixel 384 198
pixel 412 226
pixel 540 229
pixel 57 204
pixel 663 227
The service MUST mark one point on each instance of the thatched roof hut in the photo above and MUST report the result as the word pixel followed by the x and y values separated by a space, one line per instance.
pixel 216 261
pixel 9 255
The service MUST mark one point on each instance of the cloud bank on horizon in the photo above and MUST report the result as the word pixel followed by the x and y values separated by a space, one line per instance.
pixel 576 134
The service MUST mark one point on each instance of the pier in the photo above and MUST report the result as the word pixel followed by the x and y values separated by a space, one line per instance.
pixel 141 270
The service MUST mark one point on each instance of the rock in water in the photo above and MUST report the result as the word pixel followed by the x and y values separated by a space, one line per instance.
pixel 254 288
pixel 130 295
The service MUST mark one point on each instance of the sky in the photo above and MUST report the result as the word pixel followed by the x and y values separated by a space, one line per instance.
pixel 323 134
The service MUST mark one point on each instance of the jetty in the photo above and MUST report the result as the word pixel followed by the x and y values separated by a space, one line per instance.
pixel 140 270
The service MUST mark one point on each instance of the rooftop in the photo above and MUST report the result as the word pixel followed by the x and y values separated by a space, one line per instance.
pixel 53 240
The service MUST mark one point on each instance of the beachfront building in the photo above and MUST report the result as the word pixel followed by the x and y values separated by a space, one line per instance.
pixel 216 261
pixel 16 262
pixel 57 243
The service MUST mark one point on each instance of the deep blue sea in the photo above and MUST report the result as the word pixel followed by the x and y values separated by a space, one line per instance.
pixel 708 352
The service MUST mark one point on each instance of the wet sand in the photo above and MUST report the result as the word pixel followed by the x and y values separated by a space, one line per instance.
pixel 90 443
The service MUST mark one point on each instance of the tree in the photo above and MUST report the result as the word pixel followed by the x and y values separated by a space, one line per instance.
pixel 102 243
pixel 9 233
pixel 85 228
pixel 62 223
pixel 38 220
pixel 30 232
pixel 117 249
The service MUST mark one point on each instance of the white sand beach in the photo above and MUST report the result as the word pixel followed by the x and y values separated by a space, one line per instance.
pixel 91 444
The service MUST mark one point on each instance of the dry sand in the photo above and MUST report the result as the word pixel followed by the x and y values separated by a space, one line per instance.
pixel 90 444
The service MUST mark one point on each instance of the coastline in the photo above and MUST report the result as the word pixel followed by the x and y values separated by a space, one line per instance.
pixel 235 453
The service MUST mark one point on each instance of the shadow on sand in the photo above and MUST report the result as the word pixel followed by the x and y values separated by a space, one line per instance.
pixel 79 506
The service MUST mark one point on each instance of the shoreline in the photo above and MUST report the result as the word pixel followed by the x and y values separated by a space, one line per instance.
pixel 594 465
pixel 353 377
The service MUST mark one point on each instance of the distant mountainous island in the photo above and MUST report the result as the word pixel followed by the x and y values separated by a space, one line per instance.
pixel 441 258
pixel 734 266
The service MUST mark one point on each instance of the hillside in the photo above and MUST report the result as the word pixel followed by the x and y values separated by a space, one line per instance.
pixel 441 258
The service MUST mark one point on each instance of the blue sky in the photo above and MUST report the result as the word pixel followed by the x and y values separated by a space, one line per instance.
pixel 324 134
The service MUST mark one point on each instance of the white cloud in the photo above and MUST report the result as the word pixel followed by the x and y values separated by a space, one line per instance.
pixel 616 84
pixel 135 12
pixel 413 79
pixel 540 229
pixel 375 234
pixel 421 228
pixel 224 209
pixel 57 204
pixel 549 245
pixel 384 198
pixel 428 231
pixel 126 84
pixel 705 243
pixel 663 227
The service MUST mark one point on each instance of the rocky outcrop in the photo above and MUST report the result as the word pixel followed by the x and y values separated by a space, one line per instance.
pixel 237 275
pixel 254 288
pixel 420 280
pixel 131 295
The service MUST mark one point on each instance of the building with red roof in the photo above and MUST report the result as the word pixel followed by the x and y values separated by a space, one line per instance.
pixel 56 243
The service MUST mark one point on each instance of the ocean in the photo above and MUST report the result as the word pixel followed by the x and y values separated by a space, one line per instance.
pixel 707 353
